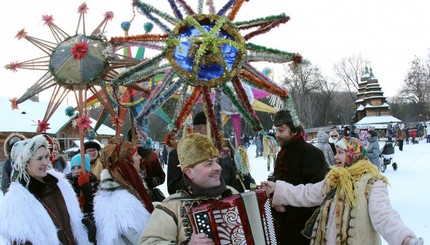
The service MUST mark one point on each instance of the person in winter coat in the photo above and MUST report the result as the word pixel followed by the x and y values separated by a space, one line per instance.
pixel 354 204
pixel 400 136
pixel 58 162
pixel 7 166
pixel 169 223
pixel 92 148
pixel 40 206
pixel 298 162
pixel 323 144
pixel 413 135
pixel 151 168
pixel 373 149
pixel 122 205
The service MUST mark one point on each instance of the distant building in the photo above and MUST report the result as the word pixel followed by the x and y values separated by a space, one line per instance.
pixel 372 108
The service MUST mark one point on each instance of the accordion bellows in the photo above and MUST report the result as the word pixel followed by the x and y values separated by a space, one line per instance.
pixel 239 219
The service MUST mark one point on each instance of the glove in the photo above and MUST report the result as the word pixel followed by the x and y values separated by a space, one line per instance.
pixel 84 178
pixel 416 241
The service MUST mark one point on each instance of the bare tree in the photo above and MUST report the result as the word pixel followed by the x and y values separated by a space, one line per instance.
pixel 349 71
pixel 416 87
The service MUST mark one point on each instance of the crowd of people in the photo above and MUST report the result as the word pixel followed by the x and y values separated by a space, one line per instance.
pixel 330 192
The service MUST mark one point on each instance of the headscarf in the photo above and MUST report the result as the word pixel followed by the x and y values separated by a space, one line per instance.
pixel 23 155
pixel 345 178
pixel 117 158
pixel 354 150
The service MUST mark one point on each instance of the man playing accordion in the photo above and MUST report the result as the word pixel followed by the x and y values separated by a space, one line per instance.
pixel 170 222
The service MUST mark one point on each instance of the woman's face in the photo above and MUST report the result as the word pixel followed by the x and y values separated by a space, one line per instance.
pixel 340 157
pixel 55 152
pixel 37 167
pixel 136 161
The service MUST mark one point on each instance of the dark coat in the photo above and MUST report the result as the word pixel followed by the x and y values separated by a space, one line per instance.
pixel 297 163
pixel 5 179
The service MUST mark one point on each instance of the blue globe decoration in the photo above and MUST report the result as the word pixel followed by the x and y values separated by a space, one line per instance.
pixel 205 50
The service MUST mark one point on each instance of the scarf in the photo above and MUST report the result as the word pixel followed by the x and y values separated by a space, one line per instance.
pixel 195 190
pixel 345 179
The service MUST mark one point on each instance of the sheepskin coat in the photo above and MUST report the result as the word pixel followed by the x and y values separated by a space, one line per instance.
pixel 25 219
pixel 361 225
pixel 119 216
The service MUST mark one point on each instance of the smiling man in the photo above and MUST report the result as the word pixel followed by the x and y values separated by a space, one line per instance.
pixel 199 161
pixel 298 162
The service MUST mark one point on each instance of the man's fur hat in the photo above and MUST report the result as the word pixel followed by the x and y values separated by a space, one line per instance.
pixel 195 148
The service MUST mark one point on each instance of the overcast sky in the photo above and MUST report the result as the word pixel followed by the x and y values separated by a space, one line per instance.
pixel 388 33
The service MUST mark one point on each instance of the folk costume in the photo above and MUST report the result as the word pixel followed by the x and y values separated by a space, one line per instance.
pixel 51 214
pixel 360 208
pixel 122 206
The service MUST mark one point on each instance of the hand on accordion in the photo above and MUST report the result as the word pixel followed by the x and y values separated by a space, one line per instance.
pixel 269 186
pixel 200 238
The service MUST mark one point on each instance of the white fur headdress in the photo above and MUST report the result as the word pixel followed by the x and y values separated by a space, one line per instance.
pixel 28 148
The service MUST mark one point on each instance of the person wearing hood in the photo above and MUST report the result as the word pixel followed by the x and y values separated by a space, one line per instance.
pixel 373 149
pixel 353 198
pixel 323 144
pixel 334 137
pixel 122 205
pixel 7 165
pixel 40 206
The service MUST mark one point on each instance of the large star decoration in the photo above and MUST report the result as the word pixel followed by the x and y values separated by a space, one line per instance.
pixel 75 63
pixel 205 51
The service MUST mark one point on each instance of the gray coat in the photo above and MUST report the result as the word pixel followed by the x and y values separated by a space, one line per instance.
pixel 373 151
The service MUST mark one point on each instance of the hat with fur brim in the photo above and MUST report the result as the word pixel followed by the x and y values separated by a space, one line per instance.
pixel 195 148
pixel 282 117
pixel 92 145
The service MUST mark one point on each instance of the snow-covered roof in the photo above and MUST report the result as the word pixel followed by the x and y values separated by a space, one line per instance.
pixel 377 106
pixel 24 120
pixel 360 108
pixel 380 121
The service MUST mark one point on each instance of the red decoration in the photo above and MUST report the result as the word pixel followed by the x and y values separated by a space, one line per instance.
pixel 79 50
pixel 82 9
pixel 14 65
pixel 22 33
pixel 109 15
pixel 117 122
pixel 84 122
pixel 14 103
pixel 42 126
pixel 48 19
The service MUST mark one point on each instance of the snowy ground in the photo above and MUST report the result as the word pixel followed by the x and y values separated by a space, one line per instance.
pixel 409 189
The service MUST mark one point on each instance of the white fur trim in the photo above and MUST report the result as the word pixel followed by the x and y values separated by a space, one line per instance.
pixel 23 217
pixel 117 213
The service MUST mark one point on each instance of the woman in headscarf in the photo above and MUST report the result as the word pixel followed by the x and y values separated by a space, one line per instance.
pixel 353 198
pixel 122 205
pixel 41 206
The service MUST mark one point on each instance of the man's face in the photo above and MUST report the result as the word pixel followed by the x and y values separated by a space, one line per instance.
pixel 93 153
pixel 205 174
pixel 284 134
pixel 200 129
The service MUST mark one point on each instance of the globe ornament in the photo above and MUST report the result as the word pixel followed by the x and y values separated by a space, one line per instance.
pixel 79 60
pixel 205 50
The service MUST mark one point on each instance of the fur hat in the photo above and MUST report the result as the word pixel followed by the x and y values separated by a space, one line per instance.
pixel 195 148
pixel 282 117
pixel 199 119
pixel 116 153
pixel 76 161
pixel 29 147
pixel 10 141
pixel 92 145
pixel 354 150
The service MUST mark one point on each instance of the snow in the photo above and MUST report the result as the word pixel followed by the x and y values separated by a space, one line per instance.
pixel 408 190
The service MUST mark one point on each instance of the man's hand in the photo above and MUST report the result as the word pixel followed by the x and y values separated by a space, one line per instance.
pixel 200 238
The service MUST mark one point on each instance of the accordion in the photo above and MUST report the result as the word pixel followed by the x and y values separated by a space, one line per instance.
pixel 239 219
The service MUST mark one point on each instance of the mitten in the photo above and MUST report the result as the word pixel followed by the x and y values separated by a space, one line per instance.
pixel 83 178
pixel 416 241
